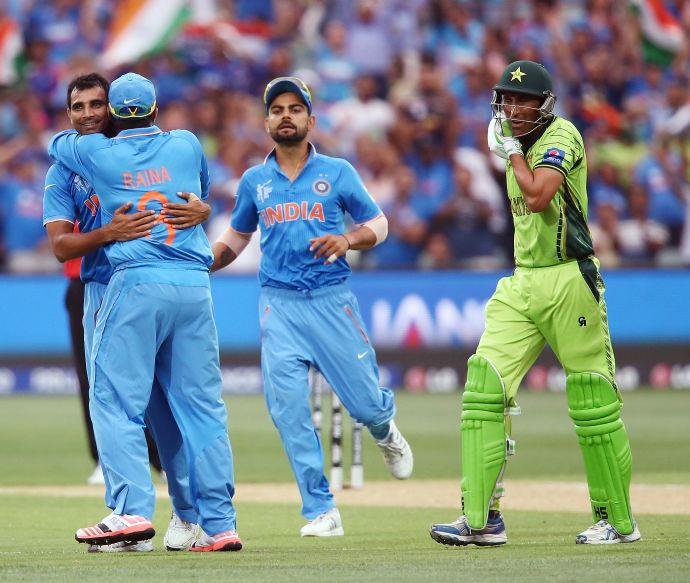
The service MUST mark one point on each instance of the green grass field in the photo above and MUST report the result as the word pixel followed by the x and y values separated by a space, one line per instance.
pixel 42 443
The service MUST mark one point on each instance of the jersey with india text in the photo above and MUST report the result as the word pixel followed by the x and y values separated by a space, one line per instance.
pixel 291 213
pixel 559 233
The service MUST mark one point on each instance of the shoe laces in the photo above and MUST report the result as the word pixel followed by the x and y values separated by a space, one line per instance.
pixel 177 522
pixel 461 521
pixel 113 521
pixel 394 447
pixel 601 525
pixel 323 517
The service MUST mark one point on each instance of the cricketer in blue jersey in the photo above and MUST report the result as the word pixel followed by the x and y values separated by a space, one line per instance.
pixel 69 199
pixel 309 316
pixel 155 321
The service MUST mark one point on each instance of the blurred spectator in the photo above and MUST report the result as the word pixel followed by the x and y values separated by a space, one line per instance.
pixel 464 220
pixel 454 34
pixel 365 113
pixel 333 66
pixel 605 232
pixel 437 253
pixel 368 44
pixel 605 188
pixel 661 176
pixel 407 227
pixel 21 193
pixel 640 238
pixel 377 162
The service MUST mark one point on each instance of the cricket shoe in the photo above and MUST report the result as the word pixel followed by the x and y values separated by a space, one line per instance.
pixel 460 534
pixel 127 546
pixel 602 533
pixel 116 528
pixel 180 534
pixel 397 453
pixel 223 541
pixel 326 524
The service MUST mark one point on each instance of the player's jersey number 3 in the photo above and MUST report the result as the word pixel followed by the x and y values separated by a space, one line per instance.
pixel 154 195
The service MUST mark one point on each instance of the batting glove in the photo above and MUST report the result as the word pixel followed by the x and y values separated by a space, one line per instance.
pixel 501 140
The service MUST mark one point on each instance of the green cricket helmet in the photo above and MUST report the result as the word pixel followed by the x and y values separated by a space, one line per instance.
pixel 526 78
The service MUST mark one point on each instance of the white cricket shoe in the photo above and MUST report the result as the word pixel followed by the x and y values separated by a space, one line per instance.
pixel 397 453
pixel 326 524
pixel 96 478
pixel 142 546
pixel 180 534
pixel 602 533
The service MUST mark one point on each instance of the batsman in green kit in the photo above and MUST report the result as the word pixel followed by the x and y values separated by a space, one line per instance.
pixel 555 296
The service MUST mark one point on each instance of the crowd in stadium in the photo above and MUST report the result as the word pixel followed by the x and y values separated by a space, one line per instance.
pixel 402 89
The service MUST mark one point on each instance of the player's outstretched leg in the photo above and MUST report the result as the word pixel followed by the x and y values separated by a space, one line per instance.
pixel 594 407
pixel 484 451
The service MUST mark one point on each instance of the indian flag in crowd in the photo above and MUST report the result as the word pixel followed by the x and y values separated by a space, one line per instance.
pixel 11 46
pixel 662 33
pixel 142 27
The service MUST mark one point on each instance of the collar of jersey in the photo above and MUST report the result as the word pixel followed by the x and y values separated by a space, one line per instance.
pixel 135 132
pixel 270 160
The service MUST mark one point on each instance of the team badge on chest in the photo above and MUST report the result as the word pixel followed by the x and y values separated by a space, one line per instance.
pixel 321 186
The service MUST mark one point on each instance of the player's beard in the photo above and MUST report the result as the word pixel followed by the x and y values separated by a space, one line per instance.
pixel 294 138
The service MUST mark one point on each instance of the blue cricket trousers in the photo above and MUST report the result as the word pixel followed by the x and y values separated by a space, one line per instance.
pixel 322 328
pixel 159 419
pixel 158 323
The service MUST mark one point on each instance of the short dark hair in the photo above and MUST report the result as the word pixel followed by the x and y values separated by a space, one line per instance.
pixel 86 82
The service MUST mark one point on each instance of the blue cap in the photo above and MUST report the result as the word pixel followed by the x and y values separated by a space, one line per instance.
pixel 131 96
pixel 281 85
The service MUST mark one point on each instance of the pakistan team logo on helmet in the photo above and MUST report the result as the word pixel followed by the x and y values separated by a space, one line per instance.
pixel 526 78
pixel 321 186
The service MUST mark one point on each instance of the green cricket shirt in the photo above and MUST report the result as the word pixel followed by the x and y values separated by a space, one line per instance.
pixel 559 233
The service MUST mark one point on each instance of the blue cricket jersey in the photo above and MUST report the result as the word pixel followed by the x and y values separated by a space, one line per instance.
pixel 68 197
pixel 147 167
pixel 292 213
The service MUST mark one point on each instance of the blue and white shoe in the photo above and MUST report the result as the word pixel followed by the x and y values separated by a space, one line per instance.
pixel 460 534
pixel 602 533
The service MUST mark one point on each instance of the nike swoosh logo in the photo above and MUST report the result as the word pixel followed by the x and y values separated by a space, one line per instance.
pixel 361 356
pixel 128 101
pixel 48 186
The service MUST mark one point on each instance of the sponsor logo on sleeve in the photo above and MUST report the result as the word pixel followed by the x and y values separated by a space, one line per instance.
pixel 554 156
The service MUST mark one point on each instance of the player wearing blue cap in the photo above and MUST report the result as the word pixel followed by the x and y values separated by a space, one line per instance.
pixel 156 319
pixel 69 199
pixel 308 314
